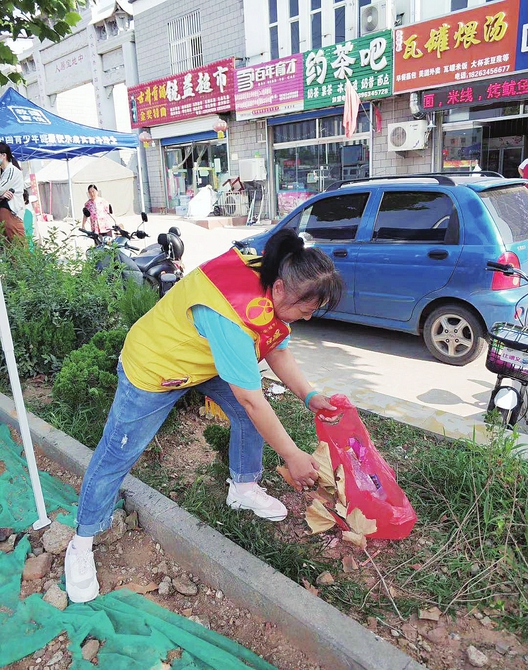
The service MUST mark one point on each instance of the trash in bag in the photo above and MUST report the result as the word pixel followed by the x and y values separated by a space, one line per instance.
pixel 370 483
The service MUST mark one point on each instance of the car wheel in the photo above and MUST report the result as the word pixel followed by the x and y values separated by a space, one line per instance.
pixel 454 335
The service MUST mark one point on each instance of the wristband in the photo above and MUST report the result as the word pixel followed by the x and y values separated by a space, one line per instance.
pixel 309 397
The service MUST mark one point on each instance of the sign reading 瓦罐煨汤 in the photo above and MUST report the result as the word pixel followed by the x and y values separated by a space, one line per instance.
pixel 204 90
pixel 366 62
pixel 473 44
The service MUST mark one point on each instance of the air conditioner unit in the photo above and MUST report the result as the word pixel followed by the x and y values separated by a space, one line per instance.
pixel 407 135
pixel 373 18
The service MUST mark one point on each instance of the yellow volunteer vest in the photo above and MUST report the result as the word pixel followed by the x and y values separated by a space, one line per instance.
pixel 163 350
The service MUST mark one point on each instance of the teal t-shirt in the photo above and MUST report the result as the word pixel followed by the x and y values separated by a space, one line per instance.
pixel 233 350
pixel 28 226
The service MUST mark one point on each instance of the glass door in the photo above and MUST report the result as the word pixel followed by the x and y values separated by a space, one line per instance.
pixel 511 159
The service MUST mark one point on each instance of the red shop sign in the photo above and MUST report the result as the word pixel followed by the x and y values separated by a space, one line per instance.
pixel 484 92
pixel 457 48
pixel 205 90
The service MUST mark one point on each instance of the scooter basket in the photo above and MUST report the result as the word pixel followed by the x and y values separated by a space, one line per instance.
pixel 508 351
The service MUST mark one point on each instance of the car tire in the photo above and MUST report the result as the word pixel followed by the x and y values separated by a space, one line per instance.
pixel 454 334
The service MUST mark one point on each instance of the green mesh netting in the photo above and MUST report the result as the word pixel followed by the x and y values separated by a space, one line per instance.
pixel 137 633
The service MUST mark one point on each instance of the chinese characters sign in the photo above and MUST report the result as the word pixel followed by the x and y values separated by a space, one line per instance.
pixel 204 90
pixel 477 93
pixel 270 88
pixel 367 62
pixel 473 44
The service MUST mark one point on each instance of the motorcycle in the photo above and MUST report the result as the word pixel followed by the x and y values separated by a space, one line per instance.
pixel 160 265
pixel 508 358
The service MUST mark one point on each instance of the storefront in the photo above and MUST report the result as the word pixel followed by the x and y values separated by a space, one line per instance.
pixel 491 132
pixel 181 113
pixel 310 153
pixel 480 115
pixel 301 98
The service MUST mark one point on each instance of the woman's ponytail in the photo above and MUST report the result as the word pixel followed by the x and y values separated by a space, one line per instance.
pixel 277 248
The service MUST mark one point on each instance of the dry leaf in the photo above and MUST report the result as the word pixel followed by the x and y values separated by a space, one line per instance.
pixel 349 563
pixel 286 475
pixel 322 495
pixel 340 482
pixel 309 587
pixel 356 538
pixel 139 588
pixel 319 518
pixel 326 471
pixel 359 523
pixel 432 614
pixel 341 510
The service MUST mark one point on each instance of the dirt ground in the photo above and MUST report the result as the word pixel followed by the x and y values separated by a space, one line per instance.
pixel 440 643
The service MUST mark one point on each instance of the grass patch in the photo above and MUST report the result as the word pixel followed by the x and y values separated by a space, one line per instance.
pixel 467 550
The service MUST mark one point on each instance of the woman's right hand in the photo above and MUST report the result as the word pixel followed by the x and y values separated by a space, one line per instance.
pixel 303 468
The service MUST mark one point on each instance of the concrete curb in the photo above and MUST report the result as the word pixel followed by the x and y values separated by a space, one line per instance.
pixel 330 638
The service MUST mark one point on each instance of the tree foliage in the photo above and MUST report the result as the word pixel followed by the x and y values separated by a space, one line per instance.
pixel 48 20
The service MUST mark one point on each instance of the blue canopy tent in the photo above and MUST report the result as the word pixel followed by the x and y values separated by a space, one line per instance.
pixel 33 132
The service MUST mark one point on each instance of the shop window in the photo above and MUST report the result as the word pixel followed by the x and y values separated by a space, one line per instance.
pixel 294 37
pixel 334 218
pixel 316 25
pixel 293 132
pixel 185 43
pixel 339 23
pixel 419 216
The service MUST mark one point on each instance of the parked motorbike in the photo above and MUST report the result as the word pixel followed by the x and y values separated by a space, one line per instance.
pixel 159 265
pixel 508 359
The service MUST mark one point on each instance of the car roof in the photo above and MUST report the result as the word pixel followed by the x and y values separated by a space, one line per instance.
pixel 477 181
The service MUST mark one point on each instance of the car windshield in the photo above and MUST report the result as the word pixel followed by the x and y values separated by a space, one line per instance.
pixel 509 208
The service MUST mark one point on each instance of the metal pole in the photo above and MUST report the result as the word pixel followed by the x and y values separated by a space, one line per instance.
pixel 140 177
pixel 70 188
pixel 9 352
pixel 371 140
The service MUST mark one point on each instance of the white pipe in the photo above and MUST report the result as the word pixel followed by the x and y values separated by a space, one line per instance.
pixel 72 213
pixel 371 141
pixel 140 177
pixel 9 352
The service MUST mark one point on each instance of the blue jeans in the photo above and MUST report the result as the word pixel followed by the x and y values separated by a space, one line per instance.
pixel 134 418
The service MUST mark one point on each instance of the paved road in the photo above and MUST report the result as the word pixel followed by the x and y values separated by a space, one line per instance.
pixel 388 372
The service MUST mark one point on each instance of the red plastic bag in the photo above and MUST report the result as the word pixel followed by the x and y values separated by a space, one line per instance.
pixel 370 483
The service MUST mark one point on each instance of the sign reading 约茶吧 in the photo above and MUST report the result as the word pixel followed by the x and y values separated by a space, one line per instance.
pixel 204 90
pixel 366 62
pixel 270 88
pixel 473 44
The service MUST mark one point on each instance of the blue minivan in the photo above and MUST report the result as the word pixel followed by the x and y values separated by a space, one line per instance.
pixel 413 251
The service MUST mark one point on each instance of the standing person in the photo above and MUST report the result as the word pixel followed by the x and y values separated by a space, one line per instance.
pixel 101 220
pixel 11 194
pixel 523 169
pixel 28 220
pixel 209 332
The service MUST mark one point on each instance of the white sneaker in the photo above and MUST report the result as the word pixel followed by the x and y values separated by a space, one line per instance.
pixel 81 576
pixel 257 500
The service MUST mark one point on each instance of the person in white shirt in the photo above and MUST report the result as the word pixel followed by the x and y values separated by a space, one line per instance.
pixel 523 169
pixel 11 194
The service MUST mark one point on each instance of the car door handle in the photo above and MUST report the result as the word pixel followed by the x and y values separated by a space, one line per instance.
pixel 438 254
pixel 340 253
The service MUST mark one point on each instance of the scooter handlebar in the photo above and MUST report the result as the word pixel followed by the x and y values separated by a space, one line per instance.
pixel 499 267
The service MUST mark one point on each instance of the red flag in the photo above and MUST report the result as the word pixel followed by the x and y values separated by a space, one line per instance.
pixel 351 109
pixel 378 118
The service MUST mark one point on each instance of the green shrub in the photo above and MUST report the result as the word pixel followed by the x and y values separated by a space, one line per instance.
pixel 56 301
pixel 88 380
pixel 137 299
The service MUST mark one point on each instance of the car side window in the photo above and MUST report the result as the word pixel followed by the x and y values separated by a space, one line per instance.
pixel 417 216
pixel 334 218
